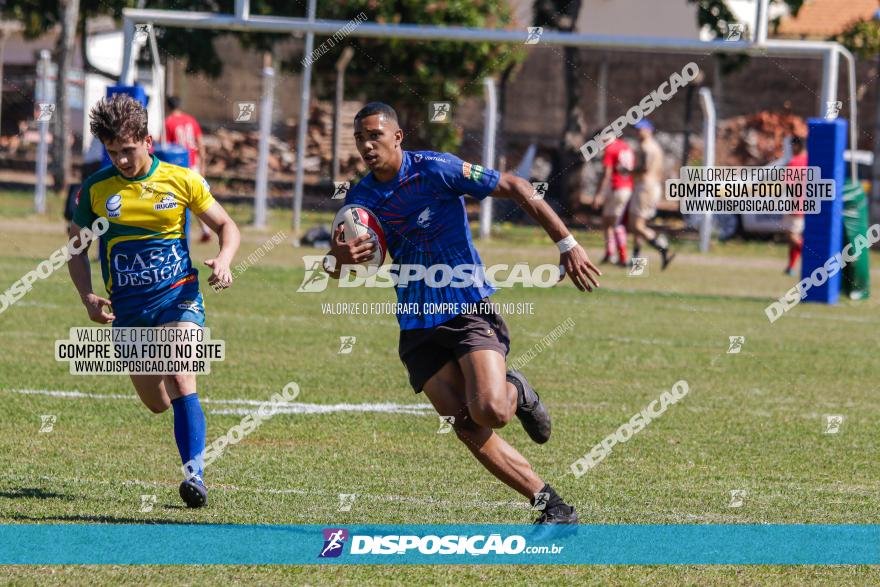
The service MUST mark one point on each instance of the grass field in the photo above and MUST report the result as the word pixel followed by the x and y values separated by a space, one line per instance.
pixel 753 421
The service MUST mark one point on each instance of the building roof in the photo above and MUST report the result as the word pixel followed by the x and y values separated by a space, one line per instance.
pixel 820 19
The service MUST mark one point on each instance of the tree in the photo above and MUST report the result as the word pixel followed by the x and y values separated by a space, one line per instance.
pixel 411 74
pixel 863 39
pixel 61 146
pixel 420 73
pixel 39 17
pixel 717 16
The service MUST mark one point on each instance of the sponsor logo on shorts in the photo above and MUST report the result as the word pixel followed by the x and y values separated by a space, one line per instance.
pixel 190 306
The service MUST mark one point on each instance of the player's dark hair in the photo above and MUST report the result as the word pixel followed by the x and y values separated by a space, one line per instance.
pixel 797 141
pixel 376 108
pixel 118 117
pixel 173 102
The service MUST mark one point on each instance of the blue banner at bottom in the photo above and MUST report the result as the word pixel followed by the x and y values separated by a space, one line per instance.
pixel 683 544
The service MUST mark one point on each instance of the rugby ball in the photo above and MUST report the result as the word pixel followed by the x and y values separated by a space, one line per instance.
pixel 356 221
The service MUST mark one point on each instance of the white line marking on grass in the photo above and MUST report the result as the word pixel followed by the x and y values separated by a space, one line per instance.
pixel 301 408
pixel 649 341
pixel 282 408
pixel 33 304
pixel 71 394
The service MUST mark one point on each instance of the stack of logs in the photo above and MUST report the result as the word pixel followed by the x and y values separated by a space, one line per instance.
pixel 233 153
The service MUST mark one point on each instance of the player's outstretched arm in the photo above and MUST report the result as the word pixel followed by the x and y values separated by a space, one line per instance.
pixel 81 275
pixel 219 221
pixel 572 258
pixel 347 253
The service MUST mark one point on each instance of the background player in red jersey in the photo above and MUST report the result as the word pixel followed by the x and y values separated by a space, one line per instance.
pixel 184 130
pixel 794 223
pixel 618 166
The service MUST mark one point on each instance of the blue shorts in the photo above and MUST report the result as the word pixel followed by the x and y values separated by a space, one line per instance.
pixel 179 305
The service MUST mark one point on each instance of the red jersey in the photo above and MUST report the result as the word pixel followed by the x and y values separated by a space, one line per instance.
pixel 182 129
pixel 621 159
pixel 799 160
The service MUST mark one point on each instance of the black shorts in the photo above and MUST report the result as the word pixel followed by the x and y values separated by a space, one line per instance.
pixel 424 351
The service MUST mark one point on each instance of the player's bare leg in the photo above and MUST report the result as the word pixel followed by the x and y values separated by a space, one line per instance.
pixel 795 246
pixel 494 395
pixel 158 391
pixel 151 390
pixel 491 399
pixel 445 390
pixel 610 239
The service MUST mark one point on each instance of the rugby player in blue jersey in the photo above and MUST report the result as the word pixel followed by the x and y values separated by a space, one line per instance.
pixel 145 262
pixel 457 359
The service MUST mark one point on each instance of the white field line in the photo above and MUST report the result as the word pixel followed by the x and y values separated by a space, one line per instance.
pixel 281 408
pixel 301 408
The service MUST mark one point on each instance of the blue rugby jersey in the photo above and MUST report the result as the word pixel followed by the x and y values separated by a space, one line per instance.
pixel 423 215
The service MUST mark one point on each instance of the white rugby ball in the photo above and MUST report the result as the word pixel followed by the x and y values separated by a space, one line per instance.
pixel 356 221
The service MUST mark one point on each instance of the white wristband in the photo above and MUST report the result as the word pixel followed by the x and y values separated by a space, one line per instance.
pixel 566 244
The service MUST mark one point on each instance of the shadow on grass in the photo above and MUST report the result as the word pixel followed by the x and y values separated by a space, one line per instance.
pixel 33 492
pixel 105 520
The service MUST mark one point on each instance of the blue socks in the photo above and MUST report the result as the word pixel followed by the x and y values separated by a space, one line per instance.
pixel 189 431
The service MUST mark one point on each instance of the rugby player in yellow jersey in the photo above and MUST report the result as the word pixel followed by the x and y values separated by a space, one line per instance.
pixel 148 274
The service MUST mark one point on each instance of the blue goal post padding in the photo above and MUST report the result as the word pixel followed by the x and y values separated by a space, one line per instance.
pixel 823 232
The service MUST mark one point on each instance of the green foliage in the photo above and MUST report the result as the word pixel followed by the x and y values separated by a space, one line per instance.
pixel 406 74
pixel 862 38
pixel 716 15
pixel 39 16
pixel 411 74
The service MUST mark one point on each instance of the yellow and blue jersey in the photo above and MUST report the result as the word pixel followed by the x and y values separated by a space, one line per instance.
pixel 145 253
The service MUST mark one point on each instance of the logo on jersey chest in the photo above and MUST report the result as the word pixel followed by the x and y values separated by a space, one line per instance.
pixel 424 219
pixel 148 266
pixel 114 206
pixel 168 202
pixel 164 200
